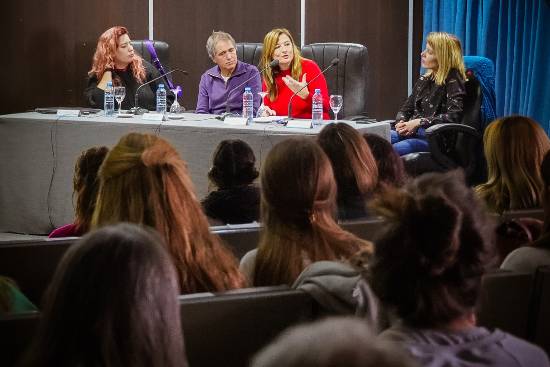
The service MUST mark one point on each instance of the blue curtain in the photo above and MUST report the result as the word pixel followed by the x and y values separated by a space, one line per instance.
pixel 515 34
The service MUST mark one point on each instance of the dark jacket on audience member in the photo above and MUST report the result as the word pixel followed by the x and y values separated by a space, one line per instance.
pixel 435 104
pixel 147 97
pixel 240 204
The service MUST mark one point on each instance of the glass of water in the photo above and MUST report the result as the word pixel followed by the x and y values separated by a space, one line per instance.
pixel 120 93
pixel 262 108
pixel 336 101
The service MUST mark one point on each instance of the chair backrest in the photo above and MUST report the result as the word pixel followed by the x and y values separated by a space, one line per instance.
pixel 241 240
pixel 249 52
pixel 349 78
pixel 161 48
pixel 541 319
pixel 32 264
pixel 16 334
pixel 484 70
pixel 505 301
pixel 472 102
pixel 227 329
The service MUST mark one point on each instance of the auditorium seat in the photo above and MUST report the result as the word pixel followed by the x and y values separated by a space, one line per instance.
pixel 541 317
pixel 349 78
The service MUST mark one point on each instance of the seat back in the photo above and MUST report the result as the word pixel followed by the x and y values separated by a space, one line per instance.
pixel 541 314
pixel 241 240
pixel 32 264
pixel 228 329
pixel 505 301
pixel 349 78
pixel 16 334
pixel 161 48
pixel 250 53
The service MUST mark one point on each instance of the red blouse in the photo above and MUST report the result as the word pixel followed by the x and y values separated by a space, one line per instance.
pixel 301 108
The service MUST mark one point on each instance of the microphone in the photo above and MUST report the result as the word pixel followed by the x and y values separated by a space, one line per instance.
pixel 227 112
pixel 334 61
pixel 136 110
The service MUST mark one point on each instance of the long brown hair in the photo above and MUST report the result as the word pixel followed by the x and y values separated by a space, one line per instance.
pixel 86 186
pixel 514 149
pixel 297 207
pixel 143 180
pixel 270 42
pixel 353 164
pixel 112 302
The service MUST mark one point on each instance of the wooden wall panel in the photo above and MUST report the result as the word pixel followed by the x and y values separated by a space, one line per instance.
pixel 49 47
pixel 186 25
pixel 380 25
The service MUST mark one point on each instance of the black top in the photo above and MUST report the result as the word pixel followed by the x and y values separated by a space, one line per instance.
pixel 435 104
pixel 240 204
pixel 147 95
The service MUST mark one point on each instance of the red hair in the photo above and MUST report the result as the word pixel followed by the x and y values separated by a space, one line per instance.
pixel 104 55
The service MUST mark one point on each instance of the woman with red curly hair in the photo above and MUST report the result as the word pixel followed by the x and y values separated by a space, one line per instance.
pixel 115 60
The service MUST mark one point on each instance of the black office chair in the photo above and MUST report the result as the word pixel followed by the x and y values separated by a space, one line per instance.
pixel 161 48
pixel 349 78
pixel 455 145
pixel 249 52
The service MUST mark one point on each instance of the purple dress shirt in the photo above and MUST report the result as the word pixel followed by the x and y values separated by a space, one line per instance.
pixel 213 91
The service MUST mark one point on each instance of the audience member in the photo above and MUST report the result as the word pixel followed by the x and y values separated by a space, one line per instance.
pixel 217 85
pixel 297 210
pixel 12 301
pixel 514 148
pixel 427 270
pixel 115 61
pixel 85 188
pixel 143 180
pixel 437 96
pixel 537 253
pixel 289 77
pixel 236 199
pixel 332 342
pixel 391 171
pixel 112 302
pixel 354 168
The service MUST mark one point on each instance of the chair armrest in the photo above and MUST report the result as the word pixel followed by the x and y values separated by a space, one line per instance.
pixel 440 128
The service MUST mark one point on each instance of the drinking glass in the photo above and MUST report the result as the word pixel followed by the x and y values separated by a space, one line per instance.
pixel 120 93
pixel 176 107
pixel 261 109
pixel 336 102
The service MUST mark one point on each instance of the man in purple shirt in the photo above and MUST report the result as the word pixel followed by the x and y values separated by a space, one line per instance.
pixel 216 88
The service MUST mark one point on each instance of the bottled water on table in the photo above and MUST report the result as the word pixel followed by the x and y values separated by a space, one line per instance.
pixel 109 100
pixel 248 105
pixel 161 99
pixel 317 108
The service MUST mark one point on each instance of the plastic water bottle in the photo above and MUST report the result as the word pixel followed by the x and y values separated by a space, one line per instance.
pixel 248 105
pixel 317 108
pixel 161 99
pixel 109 100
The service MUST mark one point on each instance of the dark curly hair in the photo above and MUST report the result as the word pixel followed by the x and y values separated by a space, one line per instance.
pixel 233 164
pixel 391 171
pixel 435 247
pixel 86 185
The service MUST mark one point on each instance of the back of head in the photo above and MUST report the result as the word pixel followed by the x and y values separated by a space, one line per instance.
pixel 431 254
pixel 233 164
pixel 352 161
pixel 112 302
pixel 514 149
pixel 297 210
pixel 331 342
pixel 391 171
pixel 448 51
pixel 86 185
pixel 143 180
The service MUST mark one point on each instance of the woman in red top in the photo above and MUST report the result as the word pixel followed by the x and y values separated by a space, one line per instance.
pixel 293 72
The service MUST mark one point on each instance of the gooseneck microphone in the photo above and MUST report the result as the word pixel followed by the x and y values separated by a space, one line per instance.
pixel 227 112
pixel 136 110
pixel 334 62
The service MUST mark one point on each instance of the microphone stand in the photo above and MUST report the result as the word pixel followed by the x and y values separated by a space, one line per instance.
pixel 334 61
pixel 136 110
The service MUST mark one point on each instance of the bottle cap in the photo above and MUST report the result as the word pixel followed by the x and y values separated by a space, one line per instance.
pixel 317 90
pixel 247 89
pixel 161 85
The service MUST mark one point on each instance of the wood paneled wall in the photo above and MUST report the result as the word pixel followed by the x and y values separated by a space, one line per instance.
pixel 49 44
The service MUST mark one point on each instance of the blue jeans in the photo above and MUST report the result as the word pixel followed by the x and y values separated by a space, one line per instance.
pixel 410 144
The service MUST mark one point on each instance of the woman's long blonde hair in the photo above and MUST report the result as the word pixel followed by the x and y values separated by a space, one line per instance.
pixel 514 148
pixel 270 42
pixel 448 52
pixel 143 180
pixel 298 206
